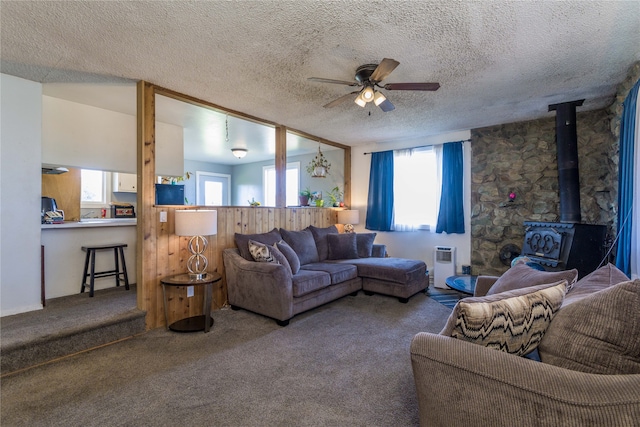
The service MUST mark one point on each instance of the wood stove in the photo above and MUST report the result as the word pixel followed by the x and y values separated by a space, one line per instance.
pixel 563 246
pixel 566 244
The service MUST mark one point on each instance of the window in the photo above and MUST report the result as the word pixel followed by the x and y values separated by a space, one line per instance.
pixel 293 184
pixel 93 188
pixel 416 189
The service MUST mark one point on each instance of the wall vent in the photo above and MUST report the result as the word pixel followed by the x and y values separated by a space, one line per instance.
pixel 444 265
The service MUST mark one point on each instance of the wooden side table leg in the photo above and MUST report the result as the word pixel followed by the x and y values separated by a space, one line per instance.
pixel 166 312
pixel 208 294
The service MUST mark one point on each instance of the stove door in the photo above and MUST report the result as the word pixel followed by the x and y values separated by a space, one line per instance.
pixel 543 243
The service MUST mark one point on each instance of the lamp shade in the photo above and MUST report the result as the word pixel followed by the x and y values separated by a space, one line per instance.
pixel 349 216
pixel 193 222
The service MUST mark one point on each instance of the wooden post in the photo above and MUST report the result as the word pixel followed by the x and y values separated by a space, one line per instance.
pixel 148 294
pixel 281 166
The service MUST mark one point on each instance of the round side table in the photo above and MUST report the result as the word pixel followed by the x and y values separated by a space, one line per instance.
pixel 201 322
pixel 464 283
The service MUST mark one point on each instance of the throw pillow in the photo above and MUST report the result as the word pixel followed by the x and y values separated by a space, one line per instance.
pixel 597 334
pixel 512 321
pixel 522 276
pixel 600 279
pixel 302 243
pixel 263 253
pixel 290 255
pixel 342 246
pixel 320 236
pixel 242 241
pixel 364 242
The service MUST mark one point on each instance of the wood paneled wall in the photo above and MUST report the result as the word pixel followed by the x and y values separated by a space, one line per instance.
pixel 160 253
pixel 65 188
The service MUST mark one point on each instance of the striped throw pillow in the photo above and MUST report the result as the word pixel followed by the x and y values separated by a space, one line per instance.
pixel 512 321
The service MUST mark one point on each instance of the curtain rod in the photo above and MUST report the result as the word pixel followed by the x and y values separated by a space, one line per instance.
pixel 419 146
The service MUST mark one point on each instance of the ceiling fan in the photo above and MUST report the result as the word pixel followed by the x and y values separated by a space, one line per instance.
pixel 368 77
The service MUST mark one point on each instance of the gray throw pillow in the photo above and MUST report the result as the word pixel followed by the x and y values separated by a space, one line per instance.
pixel 522 276
pixel 320 236
pixel 290 255
pixel 302 243
pixel 597 334
pixel 364 242
pixel 598 280
pixel 342 246
pixel 242 241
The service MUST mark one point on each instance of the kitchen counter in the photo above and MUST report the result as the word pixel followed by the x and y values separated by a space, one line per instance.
pixel 64 258
pixel 92 222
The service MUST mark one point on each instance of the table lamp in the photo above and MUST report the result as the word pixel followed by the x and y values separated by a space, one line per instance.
pixel 349 217
pixel 197 224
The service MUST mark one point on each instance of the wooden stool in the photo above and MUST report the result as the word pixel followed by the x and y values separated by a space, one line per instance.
pixel 91 254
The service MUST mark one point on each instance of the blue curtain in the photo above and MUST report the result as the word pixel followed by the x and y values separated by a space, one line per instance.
pixel 380 200
pixel 625 180
pixel 451 214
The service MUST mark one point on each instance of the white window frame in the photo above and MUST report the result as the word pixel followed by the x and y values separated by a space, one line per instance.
pixel 402 181
pixel 265 189
pixel 217 175
pixel 105 193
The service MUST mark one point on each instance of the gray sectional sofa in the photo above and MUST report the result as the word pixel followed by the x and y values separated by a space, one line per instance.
pixel 283 273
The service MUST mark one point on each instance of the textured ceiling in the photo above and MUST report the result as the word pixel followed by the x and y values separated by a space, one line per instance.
pixel 496 61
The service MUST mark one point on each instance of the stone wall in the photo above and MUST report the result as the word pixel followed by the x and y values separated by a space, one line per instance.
pixel 521 158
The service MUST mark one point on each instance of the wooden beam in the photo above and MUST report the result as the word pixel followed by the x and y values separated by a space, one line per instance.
pixel 347 177
pixel 281 167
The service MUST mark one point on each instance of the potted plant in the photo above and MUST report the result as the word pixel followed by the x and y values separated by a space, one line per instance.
pixel 319 166
pixel 335 195
pixel 304 196
pixel 173 180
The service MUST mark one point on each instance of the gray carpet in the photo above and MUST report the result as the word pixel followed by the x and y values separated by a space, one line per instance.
pixel 346 363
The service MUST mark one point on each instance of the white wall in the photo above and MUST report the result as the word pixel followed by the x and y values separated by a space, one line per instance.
pixel 20 192
pixel 416 244
pixel 89 137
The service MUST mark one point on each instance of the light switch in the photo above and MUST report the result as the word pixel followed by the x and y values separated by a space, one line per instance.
pixel 189 291
pixel 163 216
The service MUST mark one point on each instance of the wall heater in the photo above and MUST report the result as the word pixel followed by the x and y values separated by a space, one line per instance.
pixel 444 265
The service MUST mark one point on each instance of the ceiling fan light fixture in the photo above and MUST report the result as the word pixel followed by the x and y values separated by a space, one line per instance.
pixel 367 94
pixel 239 152
pixel 379 98
pixel 360 101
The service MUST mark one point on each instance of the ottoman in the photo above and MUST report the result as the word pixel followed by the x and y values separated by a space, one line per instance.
pixel 397 277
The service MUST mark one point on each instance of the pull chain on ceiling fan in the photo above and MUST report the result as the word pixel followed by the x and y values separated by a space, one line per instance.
pixel 368 77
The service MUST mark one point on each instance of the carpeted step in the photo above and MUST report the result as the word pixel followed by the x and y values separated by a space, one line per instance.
pixel 67 325
pixel 37 348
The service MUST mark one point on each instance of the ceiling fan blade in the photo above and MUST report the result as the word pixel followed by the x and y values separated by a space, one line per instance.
pixel 412 86
pixel 342 99
pixel 337 82
pixel 386 106
pixel 383 69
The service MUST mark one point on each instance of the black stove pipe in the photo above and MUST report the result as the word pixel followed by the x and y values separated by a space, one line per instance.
pixel 567 148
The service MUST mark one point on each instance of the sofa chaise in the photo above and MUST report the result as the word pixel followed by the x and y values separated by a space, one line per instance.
pixel 283 273
pixel 587 372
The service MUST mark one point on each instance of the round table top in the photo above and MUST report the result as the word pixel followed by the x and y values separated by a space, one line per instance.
pixel 463 283
pixel 185 279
